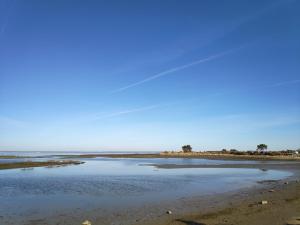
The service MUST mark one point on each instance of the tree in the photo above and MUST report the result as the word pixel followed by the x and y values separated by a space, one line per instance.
pixel 233 151
pixel 186 148
pixel 262 147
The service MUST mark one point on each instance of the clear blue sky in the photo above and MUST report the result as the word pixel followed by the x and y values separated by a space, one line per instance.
pixel 149 75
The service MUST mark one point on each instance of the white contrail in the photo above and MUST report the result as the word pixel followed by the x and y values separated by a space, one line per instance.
pixel 173 70
pixel 283 83
pixel 120 113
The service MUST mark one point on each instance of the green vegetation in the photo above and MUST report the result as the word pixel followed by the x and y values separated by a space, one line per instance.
pixel 262 147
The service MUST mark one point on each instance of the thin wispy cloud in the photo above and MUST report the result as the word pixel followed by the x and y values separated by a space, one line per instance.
pixel 125 112
pixel 147 108
pixel 284 83
pixel 233 91
pixel 175 69
pixel 267 86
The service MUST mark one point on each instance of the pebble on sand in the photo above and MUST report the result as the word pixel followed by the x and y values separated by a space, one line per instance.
pixel 264 202
pixel 293 221
pixel 86 223
pixel 169 212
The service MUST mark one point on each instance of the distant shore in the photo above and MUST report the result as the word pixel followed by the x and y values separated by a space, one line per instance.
pixel 203 155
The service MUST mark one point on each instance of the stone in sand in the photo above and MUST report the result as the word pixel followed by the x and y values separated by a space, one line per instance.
pixel 293 221
pixel 169 212
pixel 264 202
pixel 86 223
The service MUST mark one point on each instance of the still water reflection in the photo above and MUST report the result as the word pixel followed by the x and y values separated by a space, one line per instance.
pixel 113 183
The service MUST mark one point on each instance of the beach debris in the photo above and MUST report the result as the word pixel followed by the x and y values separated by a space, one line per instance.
pixel 272 190
pixel 264 202
pixel 293 221
pixel 86 222
pixel 286 182
pixel 169 212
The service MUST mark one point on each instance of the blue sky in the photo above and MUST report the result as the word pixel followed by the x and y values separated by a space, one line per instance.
pixel 149 75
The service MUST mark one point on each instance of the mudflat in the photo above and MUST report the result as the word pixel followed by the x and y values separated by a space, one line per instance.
pixel 275 203
pixel 281 206
pixel 30 164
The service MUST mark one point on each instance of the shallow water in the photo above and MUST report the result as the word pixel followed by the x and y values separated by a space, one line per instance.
pixel 117 183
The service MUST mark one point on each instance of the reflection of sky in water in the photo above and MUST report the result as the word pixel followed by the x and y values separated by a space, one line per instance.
pixel 119 183
pixel 96 174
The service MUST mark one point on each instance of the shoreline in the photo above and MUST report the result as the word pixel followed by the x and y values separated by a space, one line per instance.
pixel 238 207
pixel 243 207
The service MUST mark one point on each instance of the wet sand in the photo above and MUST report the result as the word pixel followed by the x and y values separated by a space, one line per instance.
pixel 274 165
pixel 30 164
pixel 243 207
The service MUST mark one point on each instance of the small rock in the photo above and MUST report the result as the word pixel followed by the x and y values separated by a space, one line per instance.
pixel 169 212
pixel 86 223
pixel 272 190
pixel 286 182
pixel 293 221
pixel 264 202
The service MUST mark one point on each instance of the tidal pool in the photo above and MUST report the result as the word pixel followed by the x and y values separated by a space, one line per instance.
pixel 117 183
